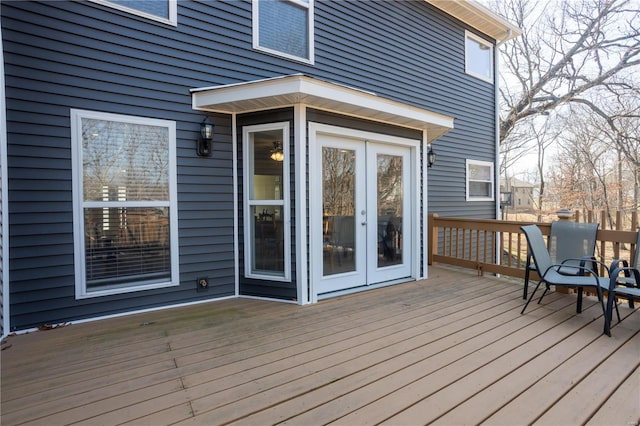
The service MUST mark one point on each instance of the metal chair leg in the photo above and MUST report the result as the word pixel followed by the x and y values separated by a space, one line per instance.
pixel 527 270
pixel 579 304
pixel 533 293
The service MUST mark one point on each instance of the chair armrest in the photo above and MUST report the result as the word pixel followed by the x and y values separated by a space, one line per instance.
pixel 616 264
pixel 581 272
pixel 582 268
pixel 627 270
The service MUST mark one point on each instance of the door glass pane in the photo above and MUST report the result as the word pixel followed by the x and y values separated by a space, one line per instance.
pixel 390 196
pixel 338 201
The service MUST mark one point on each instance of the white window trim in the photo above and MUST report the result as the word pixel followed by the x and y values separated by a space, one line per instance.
pixel 467 180
pixel 472 36
pixel 256 33
pixel 79 204
pixel 173 11
pixel 284 203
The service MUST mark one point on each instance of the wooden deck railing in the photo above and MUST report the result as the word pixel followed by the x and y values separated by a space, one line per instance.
pixel 475 244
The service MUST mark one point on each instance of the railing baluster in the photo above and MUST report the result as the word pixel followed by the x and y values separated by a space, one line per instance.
pixel 616 245
pixel 464 246
pixel 603 246
pixel 520 257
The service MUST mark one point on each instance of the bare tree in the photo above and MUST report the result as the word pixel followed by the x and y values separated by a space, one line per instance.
pixel 587 174
pixel 574 56
pixel 617 116
pixel 567 49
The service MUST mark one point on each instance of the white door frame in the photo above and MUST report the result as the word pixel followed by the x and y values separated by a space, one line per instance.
pixel 315 203
pixel 358 277
pixel 387 273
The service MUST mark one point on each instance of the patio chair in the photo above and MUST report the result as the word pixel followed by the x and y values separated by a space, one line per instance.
pixel 567 240
pixel 550 274
pixel 630 290
pixel 627 279
pixel 626 285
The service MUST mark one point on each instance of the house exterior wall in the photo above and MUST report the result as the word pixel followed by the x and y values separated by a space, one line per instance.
pixel 522 194
pixel 523 198
pixel 84 55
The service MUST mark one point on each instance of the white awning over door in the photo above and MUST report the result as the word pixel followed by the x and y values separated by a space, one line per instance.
pixel 288 90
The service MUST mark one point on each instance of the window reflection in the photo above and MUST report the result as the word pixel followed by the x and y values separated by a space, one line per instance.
pixel 268 239
pixel 124 155
pixel 390 200
pixel 284 27
pixel 126 243
pixel 338 197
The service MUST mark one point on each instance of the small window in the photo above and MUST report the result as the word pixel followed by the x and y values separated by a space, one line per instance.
pixel 284 27
pixel 478 57
pixel 160 10
pixel 479 181
pixel 267 235
pixel 125 209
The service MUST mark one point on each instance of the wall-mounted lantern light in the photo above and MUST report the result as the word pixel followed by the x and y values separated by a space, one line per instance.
pixel 431 156
pixel 204 144
pixel 276 152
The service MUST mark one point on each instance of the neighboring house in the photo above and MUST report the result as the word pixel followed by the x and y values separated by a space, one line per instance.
pixel 522 194
pixel 315 182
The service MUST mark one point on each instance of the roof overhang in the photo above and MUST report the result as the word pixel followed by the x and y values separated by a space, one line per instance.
pixel 294 89
pixel 479 17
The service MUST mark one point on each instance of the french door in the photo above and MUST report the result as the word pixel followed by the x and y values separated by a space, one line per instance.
pixel 364 191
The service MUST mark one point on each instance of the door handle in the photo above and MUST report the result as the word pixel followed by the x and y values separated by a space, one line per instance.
pixel 363 223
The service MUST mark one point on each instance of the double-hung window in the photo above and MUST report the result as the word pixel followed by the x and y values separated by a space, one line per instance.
pixel 478 57
pixel 480 180
pixel 159 10
pixel 267 234
pixel 125 203
pixel 284 28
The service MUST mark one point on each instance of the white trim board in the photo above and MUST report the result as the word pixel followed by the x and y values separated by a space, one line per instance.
pixel 300 89
pixel 4 220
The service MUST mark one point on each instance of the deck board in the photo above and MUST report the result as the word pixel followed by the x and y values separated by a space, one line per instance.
pixel 453 349
pixel 419 399
pixel 616 409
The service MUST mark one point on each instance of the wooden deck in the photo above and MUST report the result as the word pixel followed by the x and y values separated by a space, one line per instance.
pixel 450 350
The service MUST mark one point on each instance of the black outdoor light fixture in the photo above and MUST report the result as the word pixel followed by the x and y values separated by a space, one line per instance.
pixel 431 156
pixel 204 144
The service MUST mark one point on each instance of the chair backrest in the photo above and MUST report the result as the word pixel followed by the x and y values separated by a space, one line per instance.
pixel 571 240
pixel 635 260
pixel 537 248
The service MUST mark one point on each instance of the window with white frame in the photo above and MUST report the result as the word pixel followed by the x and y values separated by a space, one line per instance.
pixel 159 10
pixel 480 181
pixel 284 27
pixel 267 235
pixel 125 208
pixel 478 57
